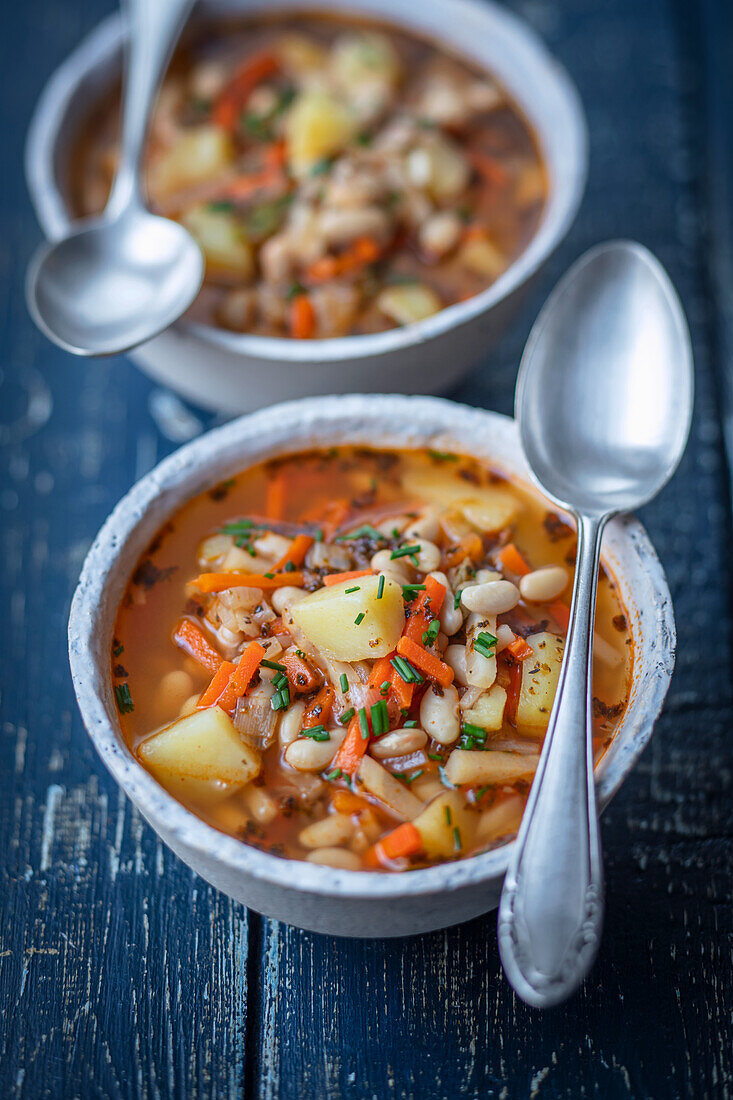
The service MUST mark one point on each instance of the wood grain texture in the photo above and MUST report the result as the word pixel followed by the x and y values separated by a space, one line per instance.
pixel 123 975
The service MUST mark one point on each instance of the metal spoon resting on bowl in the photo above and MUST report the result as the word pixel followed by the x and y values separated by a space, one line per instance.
pixel 121 278
pixel 604 401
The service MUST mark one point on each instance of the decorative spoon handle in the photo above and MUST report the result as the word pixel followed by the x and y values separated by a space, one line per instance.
pixel 551 907
pixel 154 28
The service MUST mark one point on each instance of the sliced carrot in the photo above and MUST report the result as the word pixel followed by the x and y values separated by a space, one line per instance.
pixel 344 802
pixel 339 578
pixel 241 677
pixel 217 685
pixel 488 167
pixel 470 546
pixel 381 670
pixel 363 251
pixel 512 692
pixel 245 186
pixel 301 674
pixel 275 497
pixel 234 95
pixel 294 556
pixel 319 711
pixel 352 750
pixel 520 649
pixel 403 841
pixel 302 318
pixel 560 613
pixel 403 691
pixel 425 661
pixel 221 582
pixel 329 514
pixel 277 626
pixel 512 561
pixel 192 640
pixel 426 607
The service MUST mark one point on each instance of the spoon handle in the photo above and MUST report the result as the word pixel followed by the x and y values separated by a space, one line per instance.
pixel 551 907
pixel 154 26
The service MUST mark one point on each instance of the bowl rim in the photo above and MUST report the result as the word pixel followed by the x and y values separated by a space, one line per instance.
pixel 561 208
pixel 423 421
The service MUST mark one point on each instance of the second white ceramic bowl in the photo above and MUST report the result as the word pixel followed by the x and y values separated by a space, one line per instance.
pixel 320 898
pixel 235 372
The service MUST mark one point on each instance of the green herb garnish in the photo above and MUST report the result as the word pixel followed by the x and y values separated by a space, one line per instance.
pixel 406 671
pixel 360 618
pixel 344 681
pixel 365 531
pixel 356 588
pixel 363 722
pixel 347 716
pixel 380 586
pixel 405 551
pixel 485 644
pixel 429 636
pixel 274 665
pixel 124 700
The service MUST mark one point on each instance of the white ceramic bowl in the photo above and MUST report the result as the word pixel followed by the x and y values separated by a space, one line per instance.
pixel 236 373
pixel 319 898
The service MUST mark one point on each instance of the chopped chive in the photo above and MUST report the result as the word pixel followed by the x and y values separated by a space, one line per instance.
pixel 288 567
pixel 456 601
pixel 240 527
pixel 406 551
pixel 318 535
pixel 481 792
pixel 429 635
pixel 474 731
pixel 316 733
pixel 360 618
pixel 406 671
pixel 280 680
pixel 377 720
pixel 384 687
pixel 434 756
pixel 363 722
pixel 365 531
pixel 344 681
pixel 124 700
pixel 347 716
pixel 409 590
pixel 334 774
pixel 443 456
pixel 414 776
pixel 269 576
pixel 273 664
pixel 380 586
pixel 448 816
pixel 410 725
pixel 356 588
pixel 457 839
pixel 485 644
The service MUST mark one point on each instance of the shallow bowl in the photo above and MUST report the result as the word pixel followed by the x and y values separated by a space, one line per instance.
pixel 343 903
pixel 236 372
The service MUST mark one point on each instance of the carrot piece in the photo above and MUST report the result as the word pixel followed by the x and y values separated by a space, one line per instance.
pixel 364 250
pixel 277 626
pixel 275 155
pixel 339 578
pixel 319 711
pixel 234 95
pixel 381 671
pixel 221 582
pixel 560 613
pixel 241 677
pixel 192 640
pixel 403 841
pixel 426 662
pixel 275 497
pixel 425 608
pixel 344 802
pixel 403 691
pixel 300 547
pixel 510 559
pixel 512 692
pixel 488 167
pixel 302 318
pixel 470 546
pixel 218 684
pixel 520 649
pixel 303 677
pixel 352 750
pixel 330 515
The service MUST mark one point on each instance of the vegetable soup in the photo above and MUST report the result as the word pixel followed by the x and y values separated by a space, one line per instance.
pixel 341 176
pixel 349 656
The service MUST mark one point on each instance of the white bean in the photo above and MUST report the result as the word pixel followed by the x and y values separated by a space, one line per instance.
pixel 480 670
pixel 339 858
pixel 491 597
pixel 399 743
pixel 287 596
pixel 542 585
pixel 428 556
pixel 260 804
pixel 425 527
pixel 329 832
pixel 382 562
pixel 272 545
pixel 307 755
pixel 173 691
pixel 455 656
pixel 439 713
pixel 440 233
pixel 451 617
pixel 189 706
pixel 290 723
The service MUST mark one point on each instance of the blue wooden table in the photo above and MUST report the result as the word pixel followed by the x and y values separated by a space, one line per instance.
pixel 121 973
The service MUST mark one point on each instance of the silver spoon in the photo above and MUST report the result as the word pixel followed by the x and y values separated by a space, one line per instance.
pixel 121 278
pixel 604 401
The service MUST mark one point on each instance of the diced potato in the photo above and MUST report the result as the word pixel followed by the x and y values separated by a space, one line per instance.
pixel 383 786
pixel 317 126
pixel 539 684
pixel 358 59
pixel 204 747
pixel 203 793
pixel 300 56
pixel 488 710
pixel 223 241
pixel 500 820
pixel 412 302
pixel 328 618
pixel 199 154
pixel 439 168
pixel 493 511
pixel 476 767
pixel 438 822
pixel 482 257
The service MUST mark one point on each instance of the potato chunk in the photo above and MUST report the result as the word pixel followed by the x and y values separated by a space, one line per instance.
pixel 469 767
pixel 223 242
pixel 382 785
pixel 412 302
pixel 318 125
pixel 482 257
pixel 359 59
pixel 199 154
pixel 329 616
pixel 491 512
pixel 488 710
pixel 204 746
pixel 539 684
pixel 446 826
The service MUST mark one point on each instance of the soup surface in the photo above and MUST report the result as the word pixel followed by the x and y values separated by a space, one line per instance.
pixel 350 656
pixel 341 176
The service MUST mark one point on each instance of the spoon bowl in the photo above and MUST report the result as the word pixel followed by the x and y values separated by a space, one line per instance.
pixel 604 393
pixel 115 282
